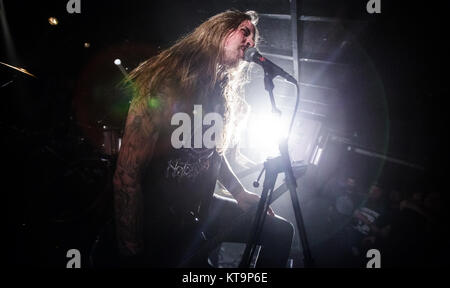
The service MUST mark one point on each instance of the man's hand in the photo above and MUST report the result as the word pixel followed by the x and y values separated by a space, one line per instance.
pixel 246 200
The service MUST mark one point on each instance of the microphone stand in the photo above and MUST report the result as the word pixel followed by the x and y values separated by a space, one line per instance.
pixel 273 167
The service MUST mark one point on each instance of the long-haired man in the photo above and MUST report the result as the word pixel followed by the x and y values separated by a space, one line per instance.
pixel 165 210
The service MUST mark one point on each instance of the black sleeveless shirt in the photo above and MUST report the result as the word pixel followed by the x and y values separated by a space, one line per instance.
pixel 181 182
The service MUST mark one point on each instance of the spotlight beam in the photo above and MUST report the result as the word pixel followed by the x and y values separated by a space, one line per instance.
pixel 9 44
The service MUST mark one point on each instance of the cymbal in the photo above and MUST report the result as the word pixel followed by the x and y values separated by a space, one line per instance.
pixel 18 69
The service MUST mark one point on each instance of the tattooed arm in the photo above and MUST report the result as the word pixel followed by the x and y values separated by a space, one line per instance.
pixel 141 133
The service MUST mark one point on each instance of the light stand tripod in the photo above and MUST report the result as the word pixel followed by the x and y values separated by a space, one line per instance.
pixel 274 166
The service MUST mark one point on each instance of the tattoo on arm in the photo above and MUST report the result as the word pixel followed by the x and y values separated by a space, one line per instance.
pixel 136 151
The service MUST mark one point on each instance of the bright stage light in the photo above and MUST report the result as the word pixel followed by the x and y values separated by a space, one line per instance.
pixel 265 131
pixel 117 62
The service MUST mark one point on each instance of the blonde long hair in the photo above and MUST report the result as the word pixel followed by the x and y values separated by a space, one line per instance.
pixel 193 63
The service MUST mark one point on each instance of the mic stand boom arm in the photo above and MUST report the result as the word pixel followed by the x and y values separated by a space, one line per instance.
pixel 268 85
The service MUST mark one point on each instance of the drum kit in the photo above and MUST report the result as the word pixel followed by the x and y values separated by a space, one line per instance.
pixel 80 159
pixel 111 135
pixel 89 172
pixel 69 170
pixel 111 140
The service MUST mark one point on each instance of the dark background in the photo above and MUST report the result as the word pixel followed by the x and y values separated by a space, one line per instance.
pixel 51 124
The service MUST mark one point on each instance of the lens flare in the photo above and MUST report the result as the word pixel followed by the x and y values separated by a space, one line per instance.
pixel 265 131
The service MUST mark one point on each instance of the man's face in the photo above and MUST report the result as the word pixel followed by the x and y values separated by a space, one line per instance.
pixel 237 42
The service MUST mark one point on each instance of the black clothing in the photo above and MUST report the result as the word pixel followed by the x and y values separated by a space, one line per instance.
pixel 180 212
pixel 177 181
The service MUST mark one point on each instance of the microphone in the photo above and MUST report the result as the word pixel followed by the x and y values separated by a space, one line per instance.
pixel 252 55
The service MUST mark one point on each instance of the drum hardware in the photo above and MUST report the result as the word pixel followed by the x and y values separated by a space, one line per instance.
pixel 18 69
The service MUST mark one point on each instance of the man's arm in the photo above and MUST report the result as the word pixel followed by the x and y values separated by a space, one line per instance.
pixel 136 151
pixel 229 180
